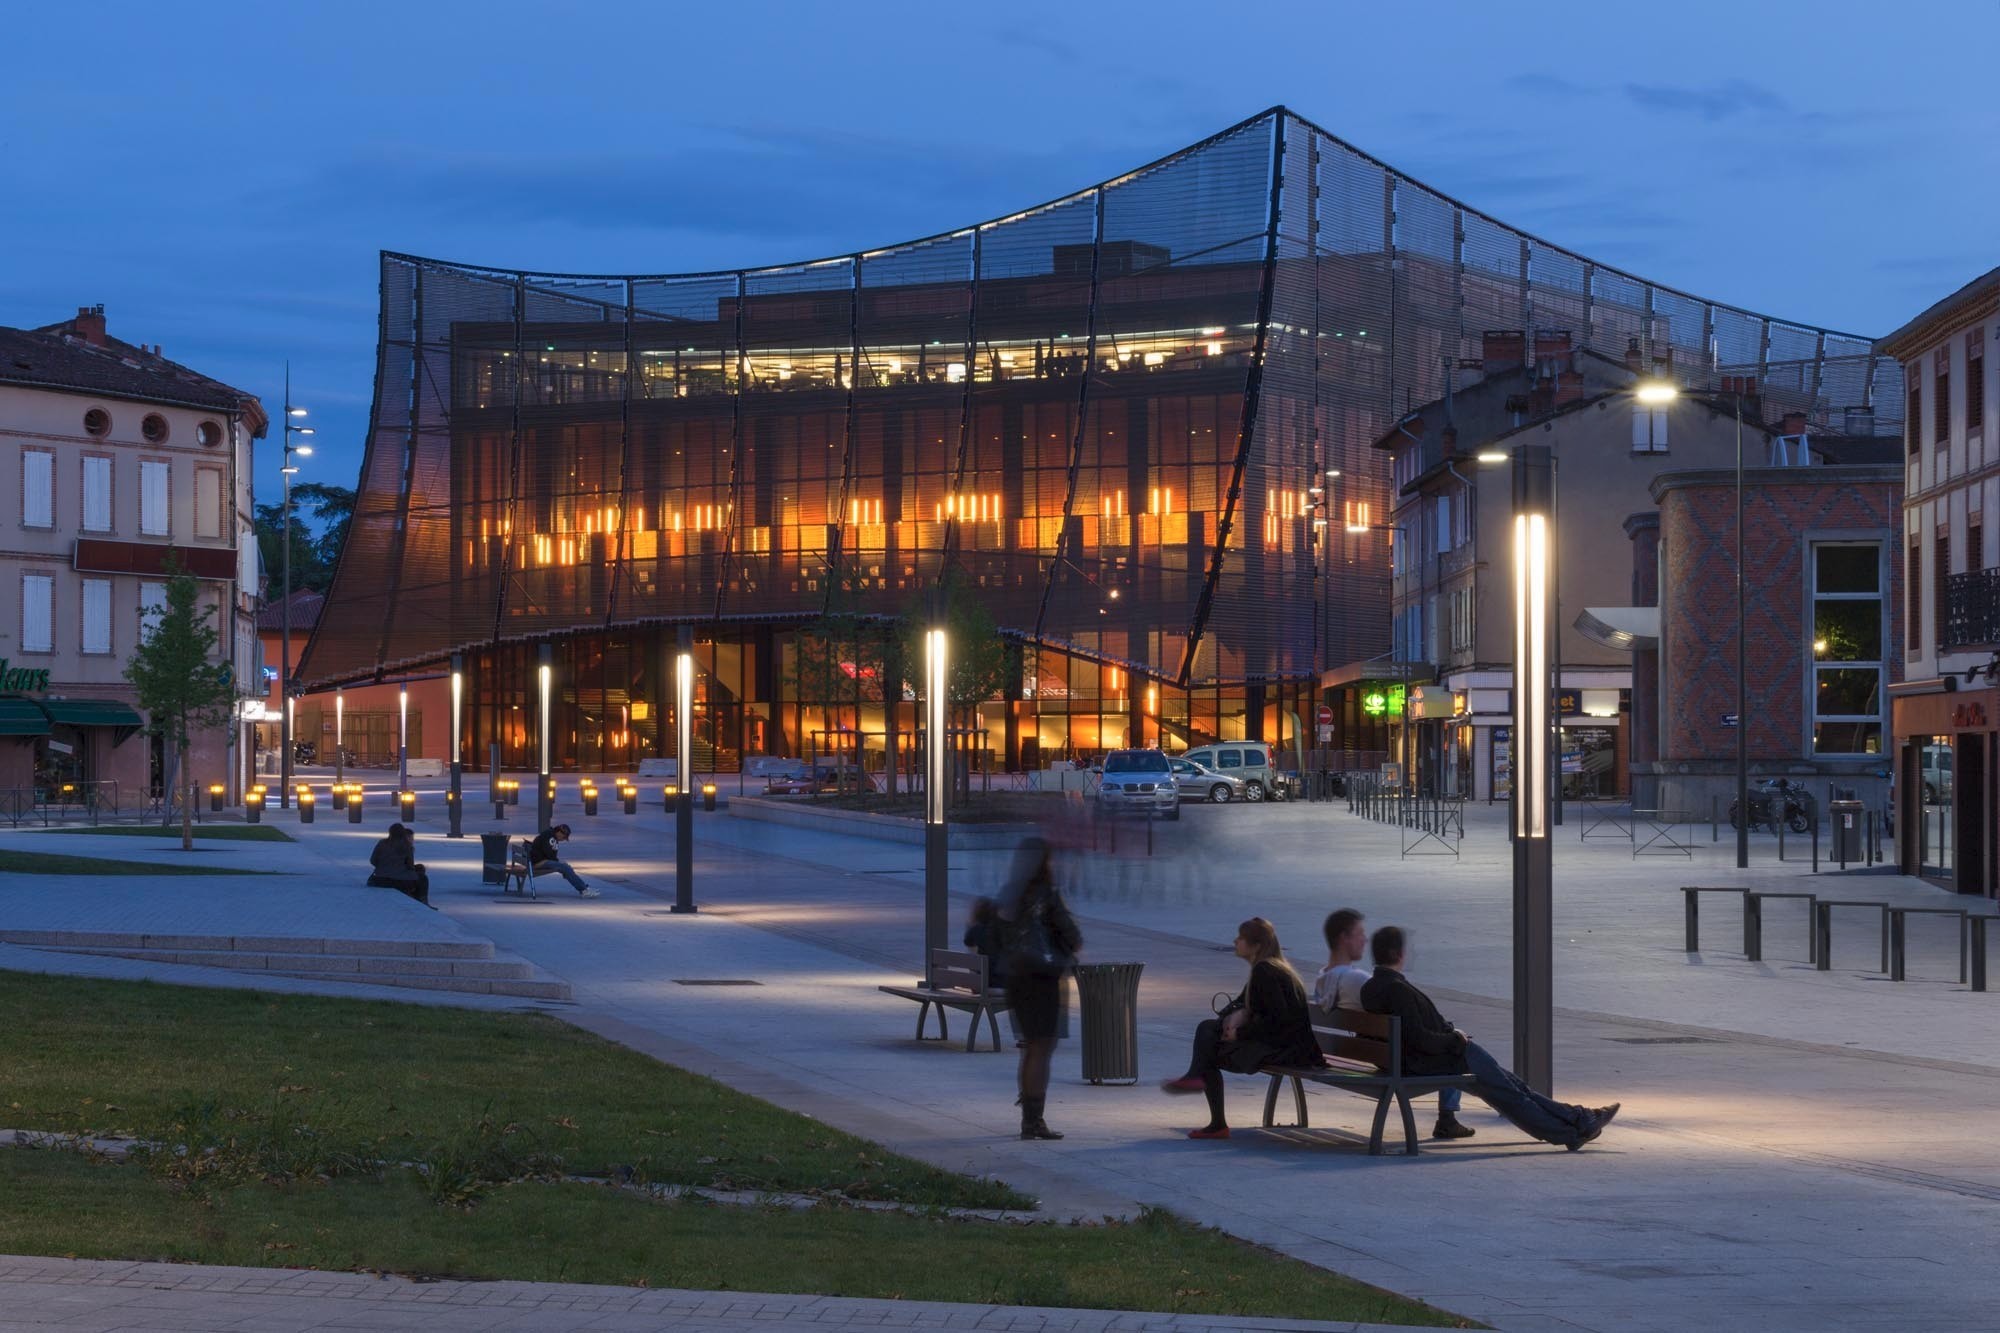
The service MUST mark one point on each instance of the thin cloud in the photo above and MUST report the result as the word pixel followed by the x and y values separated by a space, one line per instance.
pixel 1717 101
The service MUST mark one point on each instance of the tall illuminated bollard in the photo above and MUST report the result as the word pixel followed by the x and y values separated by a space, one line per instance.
pixel 545 806
pixel 1534 696
pixel 453 801
pixel 684 773
pixel 937 776
pixel 339 738
pixel 403 736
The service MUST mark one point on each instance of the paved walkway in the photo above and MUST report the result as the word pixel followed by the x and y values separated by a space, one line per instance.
pixel 183 1298
pixel 1800 1150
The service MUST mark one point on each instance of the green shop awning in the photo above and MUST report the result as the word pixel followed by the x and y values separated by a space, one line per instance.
pixel 121 718
pixel 20 717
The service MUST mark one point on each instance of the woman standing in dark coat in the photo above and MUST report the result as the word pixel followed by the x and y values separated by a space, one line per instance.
pixel 1268 1023
pixel 1042 941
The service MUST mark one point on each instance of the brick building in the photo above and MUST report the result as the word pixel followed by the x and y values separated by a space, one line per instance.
pixel 366 719
pixel 1820 616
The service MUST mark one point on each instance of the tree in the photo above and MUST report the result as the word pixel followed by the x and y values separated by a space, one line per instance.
pixel 314 504
pixel 978 655
pixel 847 656
pixel 180 685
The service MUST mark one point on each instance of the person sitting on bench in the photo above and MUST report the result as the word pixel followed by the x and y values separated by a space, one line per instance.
pixel 1268 1023
pixel 1339 987
pixel 542 854
pixel 395 865
pixel 1433 1046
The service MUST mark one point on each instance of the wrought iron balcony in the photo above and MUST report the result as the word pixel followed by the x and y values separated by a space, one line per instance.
pixel 1972 610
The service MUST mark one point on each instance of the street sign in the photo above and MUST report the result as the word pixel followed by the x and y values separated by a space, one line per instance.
pixel 1326 735
pixel 1729 719
pixel 1326 715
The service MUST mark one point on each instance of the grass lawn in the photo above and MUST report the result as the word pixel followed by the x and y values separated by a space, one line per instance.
pixel 290 1104
pixel 55 863
pixel 206 832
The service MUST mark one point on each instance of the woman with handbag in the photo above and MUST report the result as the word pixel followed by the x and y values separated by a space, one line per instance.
pixel 1042 941
pixel 1267 1023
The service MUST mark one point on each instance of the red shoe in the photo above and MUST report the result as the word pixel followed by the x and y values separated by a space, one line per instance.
pixel 1185 1083
pixel 1206 1132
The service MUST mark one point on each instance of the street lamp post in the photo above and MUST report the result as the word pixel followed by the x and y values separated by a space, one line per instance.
pixel 286 471
pixel 545 809
pixel 684 773
pixel 1534 698
pixel 937 740
pixel 454 801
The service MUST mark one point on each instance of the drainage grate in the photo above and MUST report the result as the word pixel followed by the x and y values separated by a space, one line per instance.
pixel 1663 1041
pixel 713 981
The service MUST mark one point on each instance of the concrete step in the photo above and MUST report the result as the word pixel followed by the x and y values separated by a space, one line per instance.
pixel 255 944
pixel 343 966
pixel 544 987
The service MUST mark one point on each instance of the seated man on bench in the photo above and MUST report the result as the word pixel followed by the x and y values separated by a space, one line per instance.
pixel 1433 1046
pixel 1339 987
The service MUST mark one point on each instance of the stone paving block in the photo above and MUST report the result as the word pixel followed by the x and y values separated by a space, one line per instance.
pixel 374 948
pixel 288 944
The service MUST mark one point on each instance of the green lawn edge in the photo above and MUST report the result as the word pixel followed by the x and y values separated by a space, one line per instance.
pixel 203 832
pixel 57 863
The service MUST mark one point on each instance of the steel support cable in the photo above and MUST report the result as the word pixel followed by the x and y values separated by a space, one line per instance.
pixel 1247 428
pixel 508 542
pixel 837 530
pixel 735 454
pixel 398 538
pixel 621 551
pixel 1082 417
pixel 948 539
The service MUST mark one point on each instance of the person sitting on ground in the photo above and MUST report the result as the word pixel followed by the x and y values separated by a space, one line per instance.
pixel 547 860
pixel 1339 987
pixel 1267 1024
pixel 1433 1046
pixel 395 865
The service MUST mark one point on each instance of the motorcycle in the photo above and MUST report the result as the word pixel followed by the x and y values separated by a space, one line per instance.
pixel 1778 798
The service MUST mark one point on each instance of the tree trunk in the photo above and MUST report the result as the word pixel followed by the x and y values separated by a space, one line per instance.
pixel 187 795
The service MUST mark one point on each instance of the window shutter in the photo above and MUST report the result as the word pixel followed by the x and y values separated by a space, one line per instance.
pixel 38 501
pixel 153 499
pixel 97 494
pixel 152 605
pixel 207 502
pixel 97 615
pixel 37 613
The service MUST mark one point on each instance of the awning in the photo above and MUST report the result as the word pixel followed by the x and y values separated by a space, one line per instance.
pixel 1625 628
pixel 20 717
pixel 120 717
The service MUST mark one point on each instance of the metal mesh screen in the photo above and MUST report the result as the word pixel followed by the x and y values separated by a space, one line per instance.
pixel 1138 419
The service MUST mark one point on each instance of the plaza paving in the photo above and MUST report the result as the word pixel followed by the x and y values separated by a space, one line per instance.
pixel 1798 1150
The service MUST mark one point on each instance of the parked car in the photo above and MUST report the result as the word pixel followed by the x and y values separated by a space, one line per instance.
pixel 1205 784
pixel 1139 782
pixel 1248 760
pixel 1937 773
pixel 804 780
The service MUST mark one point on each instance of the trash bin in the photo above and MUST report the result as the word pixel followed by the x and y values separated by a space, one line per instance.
pixel 1108 994
pixel 1849 830
pixel 492 858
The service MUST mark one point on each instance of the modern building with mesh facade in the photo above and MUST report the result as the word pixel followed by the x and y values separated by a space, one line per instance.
pixel 1134 421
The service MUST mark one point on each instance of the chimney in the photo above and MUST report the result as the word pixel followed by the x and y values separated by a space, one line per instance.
pixel 1794 424
pixel 1569 387
pixel 89 324
pixel 1502 349
pixel 1635 360
pixel 1552 352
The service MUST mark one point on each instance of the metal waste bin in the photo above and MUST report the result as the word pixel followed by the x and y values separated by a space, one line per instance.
pixel 1849 831
pixel 492 858
pixel 1108 994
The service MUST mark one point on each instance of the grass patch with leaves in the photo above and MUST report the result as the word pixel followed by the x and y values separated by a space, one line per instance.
pixel 57 863
pixel 204 832
pixel 304 1131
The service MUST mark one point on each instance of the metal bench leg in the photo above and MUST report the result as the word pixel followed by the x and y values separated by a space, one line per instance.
pixel 1271 1101
pixel 972 1031
pixel 923 1012
pixel 992 1026
pixel 1381 1119
pixel 1299 1100
pixel 1409 1123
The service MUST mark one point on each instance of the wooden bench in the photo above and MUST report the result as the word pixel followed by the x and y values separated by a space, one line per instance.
pixel 519 876
pixel 1365 1057
pixel 958 981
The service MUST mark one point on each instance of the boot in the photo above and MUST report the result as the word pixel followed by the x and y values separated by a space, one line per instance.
pixel 1032 1124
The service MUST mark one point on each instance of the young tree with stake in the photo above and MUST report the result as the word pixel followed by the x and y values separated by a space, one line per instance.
pixel 179 684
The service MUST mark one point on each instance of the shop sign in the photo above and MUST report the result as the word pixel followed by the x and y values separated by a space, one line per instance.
pixel 1968 715
pixel 23 680
pixel 1382 700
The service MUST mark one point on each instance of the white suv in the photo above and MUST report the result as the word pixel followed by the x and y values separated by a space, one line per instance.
pixel 1139 782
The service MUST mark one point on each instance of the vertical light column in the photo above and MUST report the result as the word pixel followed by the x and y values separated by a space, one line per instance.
pixel 684 773
pixel 1534 696
pixel 937 777
pixel 403 736
pixel 455 797
pixel 339 736
pixel 545 806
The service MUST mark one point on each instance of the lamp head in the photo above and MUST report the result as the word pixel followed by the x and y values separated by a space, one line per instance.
pixel 297 412
pixel 1490 456
pixel 1656 393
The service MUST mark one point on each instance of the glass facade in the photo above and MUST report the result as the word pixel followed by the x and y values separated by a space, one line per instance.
pixel 1122 419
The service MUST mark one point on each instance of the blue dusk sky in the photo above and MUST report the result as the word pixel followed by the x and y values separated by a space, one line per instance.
pixel 221 176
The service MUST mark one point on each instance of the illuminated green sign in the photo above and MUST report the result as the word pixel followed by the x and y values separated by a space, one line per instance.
pixel 23 679
pixel 1382 700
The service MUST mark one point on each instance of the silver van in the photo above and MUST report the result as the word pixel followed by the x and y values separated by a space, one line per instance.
pixel 1248 760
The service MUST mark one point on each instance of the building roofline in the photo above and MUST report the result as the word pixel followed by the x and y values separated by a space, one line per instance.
pixel 1979 297
pixel 1864 474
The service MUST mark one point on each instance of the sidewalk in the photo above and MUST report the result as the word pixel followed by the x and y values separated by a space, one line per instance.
pixel 184 1298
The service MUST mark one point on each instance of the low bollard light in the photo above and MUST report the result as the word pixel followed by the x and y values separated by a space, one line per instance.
pixel 589 798
pixel 708 796
pixel 630 795
pixel 305 805
pixel 216 792
pixel 511 789
pixel 667 795
pixel 337 793
pixel 354 803
pixel 406 803
pixel 253 806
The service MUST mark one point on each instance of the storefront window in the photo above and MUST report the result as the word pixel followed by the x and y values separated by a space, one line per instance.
pixel 1846 648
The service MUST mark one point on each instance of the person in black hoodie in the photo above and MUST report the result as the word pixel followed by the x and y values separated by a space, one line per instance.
pixel 1268 1023
pixel 1433 1046
pixel 1041 943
